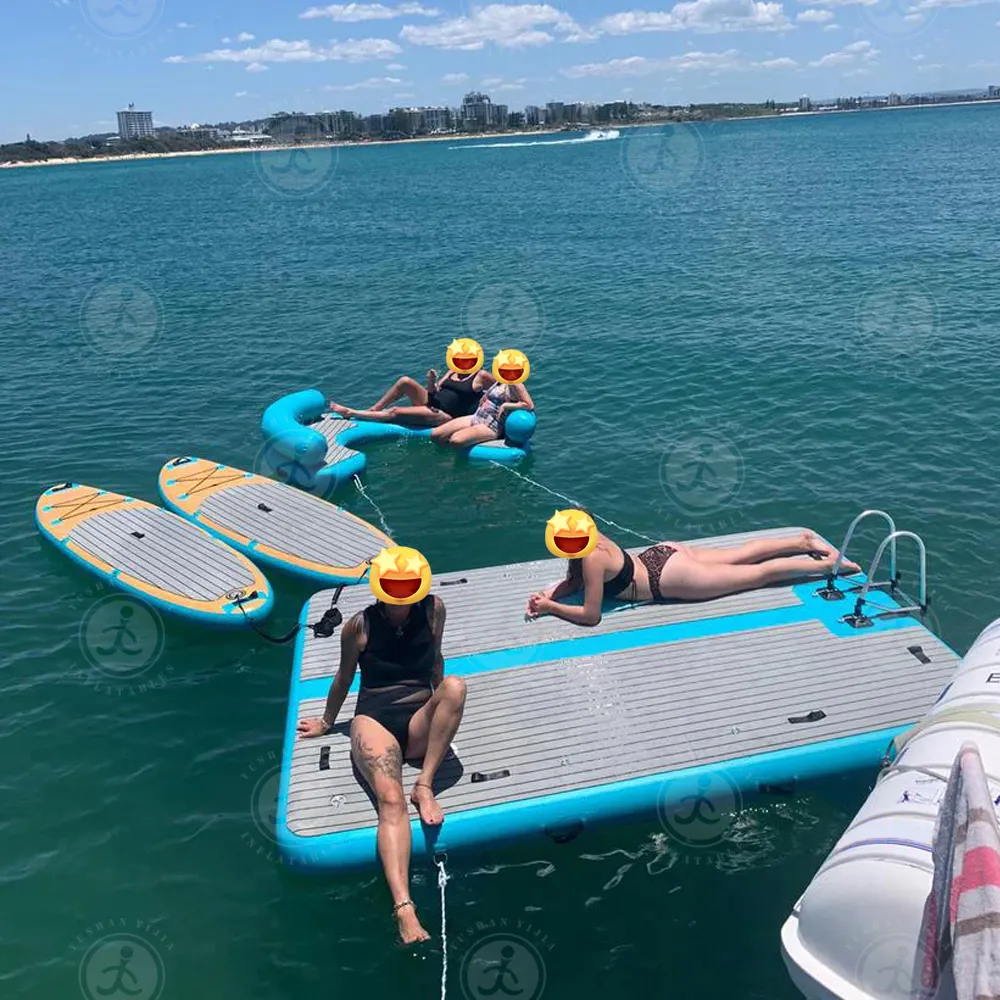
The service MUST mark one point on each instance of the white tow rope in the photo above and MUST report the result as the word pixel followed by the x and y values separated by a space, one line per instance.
pixel 375 506
pixel 442 882
pixel 573 503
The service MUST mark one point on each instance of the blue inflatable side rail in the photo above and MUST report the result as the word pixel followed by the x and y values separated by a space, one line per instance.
pixel 300 454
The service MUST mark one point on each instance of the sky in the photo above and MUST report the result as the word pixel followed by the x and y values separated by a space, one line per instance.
pixel 66 66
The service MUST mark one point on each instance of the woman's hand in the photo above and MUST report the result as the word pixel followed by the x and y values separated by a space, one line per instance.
pixel 432 376
pixel 312 727
pixel 538 604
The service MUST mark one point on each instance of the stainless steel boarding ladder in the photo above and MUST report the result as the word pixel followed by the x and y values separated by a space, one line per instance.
pixel 857 618
pixel 831 592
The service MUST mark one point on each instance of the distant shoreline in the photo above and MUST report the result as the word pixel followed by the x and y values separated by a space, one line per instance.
pixel 460 137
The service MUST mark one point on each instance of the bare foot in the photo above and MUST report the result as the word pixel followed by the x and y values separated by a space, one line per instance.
pixel 809 541
pixel 423 798
pixel 344 411
pixel 846 566
pixel 410 929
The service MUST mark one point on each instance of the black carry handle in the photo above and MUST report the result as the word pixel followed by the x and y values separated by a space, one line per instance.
pixel 814 716
pixel 324 758
pixel 182 461
pixel 918 652
pixel 451 583
pixel 264 507
pixel 478 776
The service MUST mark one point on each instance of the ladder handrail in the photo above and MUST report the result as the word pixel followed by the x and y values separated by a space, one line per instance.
pixel 893 533
pixel 878 556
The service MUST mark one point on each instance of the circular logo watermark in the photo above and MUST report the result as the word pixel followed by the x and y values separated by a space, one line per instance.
pixel 264 803
pixel 277 460
pixel 121 966
pixel 660 162
pixel 121 316
pixel 121 636
pixel 301 171
pixel 503 965
pixel 896 967
pixel 121 19
pixel 702 473
pixel 503 315
pixel 894 19
pixel 897 320
pixel 697 810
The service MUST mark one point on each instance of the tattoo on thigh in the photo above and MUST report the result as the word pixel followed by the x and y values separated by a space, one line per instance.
pixel 389 762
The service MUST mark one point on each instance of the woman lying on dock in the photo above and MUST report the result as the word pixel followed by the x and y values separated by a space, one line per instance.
pixel 486 424
pixel 406 710
pixel 675 571
pixel 439 401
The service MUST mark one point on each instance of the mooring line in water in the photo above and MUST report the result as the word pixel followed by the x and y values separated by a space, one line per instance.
pixel 442 882
pixel 375 506
pixel 574 503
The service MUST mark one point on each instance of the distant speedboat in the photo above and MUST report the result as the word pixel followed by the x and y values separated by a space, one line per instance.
pixel 596 134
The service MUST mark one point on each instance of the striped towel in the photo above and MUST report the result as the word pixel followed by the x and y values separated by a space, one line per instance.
pixel 960 935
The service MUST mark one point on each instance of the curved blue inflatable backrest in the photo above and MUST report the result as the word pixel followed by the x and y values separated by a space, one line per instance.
pixel 282 426
pixel 518 427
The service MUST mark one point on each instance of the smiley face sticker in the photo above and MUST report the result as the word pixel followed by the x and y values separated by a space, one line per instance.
pixel 511 368
pixel 464 357
pixel 400 575
pixel 571 534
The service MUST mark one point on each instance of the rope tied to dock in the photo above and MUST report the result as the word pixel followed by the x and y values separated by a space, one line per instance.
pixel 375 506
pixel 574 503
pixel 442 883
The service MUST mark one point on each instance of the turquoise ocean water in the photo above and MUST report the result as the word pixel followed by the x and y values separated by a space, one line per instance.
pixel 805 310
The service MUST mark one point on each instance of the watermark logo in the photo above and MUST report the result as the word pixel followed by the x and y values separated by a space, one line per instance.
pixel 278 458
pixel 264 802
pixel 894 19
pixel 122 965
pixel 121 637
pixel 697 810
pixel 661 162
pixel 503 964
pixel 121 19
pixel 702 472
pixel 504 315
pixel 896 967
pixel 896 319
pixel 297 171
pixel 121 317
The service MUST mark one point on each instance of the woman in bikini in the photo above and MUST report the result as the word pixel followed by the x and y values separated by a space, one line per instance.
pixel 440 401
pixel 675 571
pixel 486 424
pixel 406 709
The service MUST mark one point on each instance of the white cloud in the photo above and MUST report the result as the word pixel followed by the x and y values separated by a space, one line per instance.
pixel 705 62
pixel 240 93
pixel 831 27
pixel 919 57
pixel 492 81
pixel 184 24
pixel 509 26
pixel 984 64
pixel 226 41
pixel 701 15
pixel 244 36
pixel 404 96
pixel 396 66
pixel 256 67
pixel 929 67
pixel 499 83
pixel 278 50
pixel 847 56
pixel 372 81
pixel 455 78
pixel 352 12
pixel 814 16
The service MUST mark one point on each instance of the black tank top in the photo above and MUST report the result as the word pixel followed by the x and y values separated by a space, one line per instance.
pixel 404 657
pixel 457 397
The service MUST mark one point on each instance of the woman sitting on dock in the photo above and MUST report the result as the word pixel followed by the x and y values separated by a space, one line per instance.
pixel 675 571
pixel 486 424
pixel 406 710
pixel 439 401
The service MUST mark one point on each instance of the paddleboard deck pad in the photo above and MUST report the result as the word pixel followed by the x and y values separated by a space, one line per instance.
pixel 148 552
pixel 656 707
pixel 272 522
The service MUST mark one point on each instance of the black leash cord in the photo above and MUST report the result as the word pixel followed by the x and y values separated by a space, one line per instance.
pixel 322 629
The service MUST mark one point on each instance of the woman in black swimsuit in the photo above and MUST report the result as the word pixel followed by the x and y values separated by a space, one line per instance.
pixel 675 571
pixel 406 709
pixel 436 403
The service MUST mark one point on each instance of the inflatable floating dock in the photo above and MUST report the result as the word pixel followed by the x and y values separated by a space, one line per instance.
pixel 312 448
pixel 155 555
pixel 659 703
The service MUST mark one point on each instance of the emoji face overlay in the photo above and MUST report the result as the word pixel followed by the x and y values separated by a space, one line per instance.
pixel 464 356
pixel 400 575
pixel 511 368
pixel 570 534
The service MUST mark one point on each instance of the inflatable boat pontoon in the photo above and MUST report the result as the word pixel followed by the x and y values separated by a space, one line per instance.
pixel 310 447
pixel 567 726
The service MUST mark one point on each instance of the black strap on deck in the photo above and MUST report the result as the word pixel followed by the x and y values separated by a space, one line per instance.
pixel 323 629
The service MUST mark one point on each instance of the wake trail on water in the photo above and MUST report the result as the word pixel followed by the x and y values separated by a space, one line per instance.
pixel 590 137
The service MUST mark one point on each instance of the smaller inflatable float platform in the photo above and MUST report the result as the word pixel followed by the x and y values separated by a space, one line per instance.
pixel 657 707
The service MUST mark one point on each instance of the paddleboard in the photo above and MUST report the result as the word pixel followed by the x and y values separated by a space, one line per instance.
pixel 271 522
pixel 147 551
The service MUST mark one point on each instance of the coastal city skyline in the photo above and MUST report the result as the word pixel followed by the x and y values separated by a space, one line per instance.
pixel 195 61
